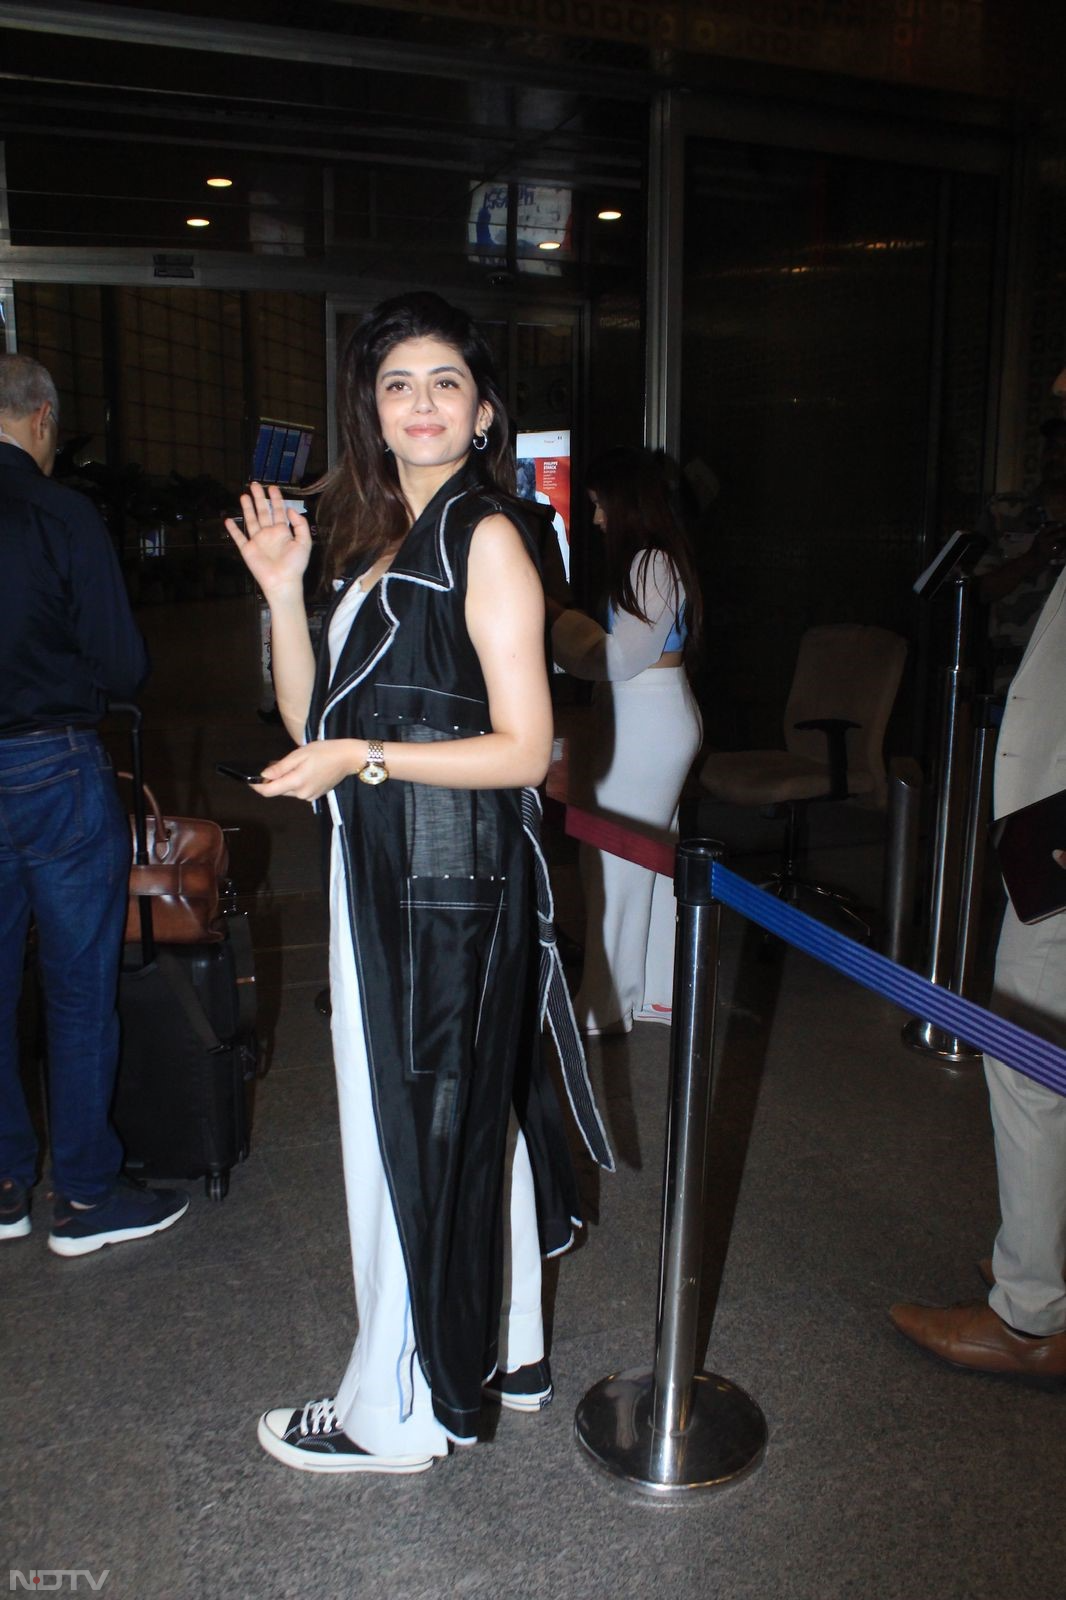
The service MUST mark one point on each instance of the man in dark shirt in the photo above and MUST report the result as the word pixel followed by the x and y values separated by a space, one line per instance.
pixel 67 643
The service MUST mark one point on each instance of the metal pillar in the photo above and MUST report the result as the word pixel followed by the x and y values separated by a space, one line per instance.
pixel 665 275
pixel 951 807
pixel 672 1431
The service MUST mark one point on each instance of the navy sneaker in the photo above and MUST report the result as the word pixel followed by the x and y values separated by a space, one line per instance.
pixel 130 1211
pixel 14 1210
pixel 312 1440
pixel 527 1389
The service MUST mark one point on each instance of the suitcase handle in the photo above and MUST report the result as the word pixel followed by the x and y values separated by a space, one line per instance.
pixel 140 821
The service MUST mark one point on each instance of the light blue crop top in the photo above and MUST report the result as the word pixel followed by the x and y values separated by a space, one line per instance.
pixel 675 639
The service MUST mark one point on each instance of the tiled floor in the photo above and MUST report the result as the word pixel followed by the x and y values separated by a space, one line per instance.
pixel 844 1172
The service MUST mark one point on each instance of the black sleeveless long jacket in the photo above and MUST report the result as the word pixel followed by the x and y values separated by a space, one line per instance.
pixel 451 925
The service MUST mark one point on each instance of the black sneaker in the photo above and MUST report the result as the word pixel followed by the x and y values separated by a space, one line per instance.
pixel 527 1389
pixel 311 1440
pixel 130 1211
pixel 14 1210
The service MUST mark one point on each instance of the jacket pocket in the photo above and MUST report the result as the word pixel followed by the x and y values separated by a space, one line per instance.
pixel 398 705
pixel 452 935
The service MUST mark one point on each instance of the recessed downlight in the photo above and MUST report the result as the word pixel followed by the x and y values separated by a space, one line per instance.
pixel 220 183
pixel 550 244
pixel 609 216
pixel 197 222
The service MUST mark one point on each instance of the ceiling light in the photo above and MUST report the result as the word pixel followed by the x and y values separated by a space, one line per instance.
pixel 220 183
pixel 197 222
pixel 550 244
pixel 609 216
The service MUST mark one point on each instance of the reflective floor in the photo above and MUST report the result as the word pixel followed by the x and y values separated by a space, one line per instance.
pixel 845 1172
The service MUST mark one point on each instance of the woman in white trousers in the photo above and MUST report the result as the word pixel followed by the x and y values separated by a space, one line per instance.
pixel 383 1400
pixel 419 399
pixel 646 734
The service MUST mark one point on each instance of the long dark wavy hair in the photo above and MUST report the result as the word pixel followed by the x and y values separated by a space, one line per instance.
pixel 362 509
pixel 634 492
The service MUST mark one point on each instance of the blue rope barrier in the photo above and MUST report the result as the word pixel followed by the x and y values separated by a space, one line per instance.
pixel 1045 1063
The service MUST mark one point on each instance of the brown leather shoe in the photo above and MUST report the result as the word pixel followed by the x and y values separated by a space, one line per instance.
pixel 972 1336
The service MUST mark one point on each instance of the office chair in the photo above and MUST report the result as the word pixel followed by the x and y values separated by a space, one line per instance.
pixel 842 694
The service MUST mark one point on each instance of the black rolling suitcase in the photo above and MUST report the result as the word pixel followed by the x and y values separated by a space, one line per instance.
pixel 189 1053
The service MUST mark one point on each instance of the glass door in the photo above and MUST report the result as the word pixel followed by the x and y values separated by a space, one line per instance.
pixel 836 353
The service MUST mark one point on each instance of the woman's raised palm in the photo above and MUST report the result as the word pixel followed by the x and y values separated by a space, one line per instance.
pixel 275 542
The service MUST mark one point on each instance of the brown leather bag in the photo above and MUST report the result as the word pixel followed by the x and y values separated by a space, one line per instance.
pixel 187 857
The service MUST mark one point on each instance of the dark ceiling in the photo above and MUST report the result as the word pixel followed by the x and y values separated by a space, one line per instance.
pixel 104 105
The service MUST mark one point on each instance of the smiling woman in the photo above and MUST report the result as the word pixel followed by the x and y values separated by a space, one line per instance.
pixel 423 724
pixel 428 409
pixel 386 379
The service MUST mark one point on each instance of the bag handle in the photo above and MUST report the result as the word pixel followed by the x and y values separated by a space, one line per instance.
pixel 161 847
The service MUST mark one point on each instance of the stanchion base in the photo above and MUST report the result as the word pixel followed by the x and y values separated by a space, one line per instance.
pixel 933 1041
pixel 725 1439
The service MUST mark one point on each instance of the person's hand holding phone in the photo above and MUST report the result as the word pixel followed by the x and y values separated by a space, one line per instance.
pixel 306 773
pixel 312 770
pixel 240 771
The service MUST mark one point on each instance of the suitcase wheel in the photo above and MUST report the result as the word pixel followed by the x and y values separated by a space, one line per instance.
pixel 216 1184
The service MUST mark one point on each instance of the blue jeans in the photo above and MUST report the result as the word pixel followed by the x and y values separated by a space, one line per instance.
pixel 64 858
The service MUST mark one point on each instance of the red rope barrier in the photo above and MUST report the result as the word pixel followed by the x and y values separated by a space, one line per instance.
pixel 612 837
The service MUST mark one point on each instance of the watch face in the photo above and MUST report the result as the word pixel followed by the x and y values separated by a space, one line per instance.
pixel 374 772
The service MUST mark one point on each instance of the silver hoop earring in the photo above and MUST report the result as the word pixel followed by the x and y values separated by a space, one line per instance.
pixel 484 441
pixel 388 449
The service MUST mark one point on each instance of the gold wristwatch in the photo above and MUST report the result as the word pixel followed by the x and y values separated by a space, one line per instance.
pixel 373 770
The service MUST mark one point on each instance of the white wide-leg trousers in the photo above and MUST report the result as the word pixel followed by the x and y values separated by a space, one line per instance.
pixel 648 732
pixel 383 1401
pixel 1030 1130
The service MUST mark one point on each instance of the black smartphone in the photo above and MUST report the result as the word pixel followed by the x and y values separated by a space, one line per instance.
pixel 242 771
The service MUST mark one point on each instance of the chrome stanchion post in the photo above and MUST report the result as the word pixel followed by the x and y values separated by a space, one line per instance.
pixel 673 1430
pixel 901 856
pixel 973 861
pixel 918 1033
pixel 691 1062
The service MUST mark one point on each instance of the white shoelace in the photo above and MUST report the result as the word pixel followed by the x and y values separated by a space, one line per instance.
pixel 319 1417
